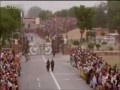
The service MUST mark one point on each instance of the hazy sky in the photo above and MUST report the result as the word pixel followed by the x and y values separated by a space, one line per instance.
pixel 50 5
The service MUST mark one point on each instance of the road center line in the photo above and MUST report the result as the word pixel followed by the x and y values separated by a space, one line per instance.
pixel 38 79
pixel 58 86
pixel 67 79
pixel 38 82
pixel 39 85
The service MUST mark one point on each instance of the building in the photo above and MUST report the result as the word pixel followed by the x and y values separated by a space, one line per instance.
pixel 110 38
pixel 30 23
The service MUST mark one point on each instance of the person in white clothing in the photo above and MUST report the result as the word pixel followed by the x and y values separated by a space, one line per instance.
pixel 94 82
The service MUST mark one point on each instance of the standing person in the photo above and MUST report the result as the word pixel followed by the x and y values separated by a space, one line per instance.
pixel 48 65
pixel 53 53
pixel 52 65
pixel 26 52
pixel 53 48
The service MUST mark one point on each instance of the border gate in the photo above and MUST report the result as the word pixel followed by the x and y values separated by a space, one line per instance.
pixel 37 49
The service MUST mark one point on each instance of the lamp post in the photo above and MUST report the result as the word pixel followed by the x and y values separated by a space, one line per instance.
pixel 106 12
pixel 22 15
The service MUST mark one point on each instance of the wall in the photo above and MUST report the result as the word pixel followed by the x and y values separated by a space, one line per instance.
pixel 67 51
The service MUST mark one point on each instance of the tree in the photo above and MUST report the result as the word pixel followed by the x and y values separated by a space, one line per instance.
pixel 10 21
pixel 84 16
pixel 111 48
pixel 104 43
pixel 45 14
pixel 91 46
pixel 34 11
pixel 97 46
pixel 66 12
pixel 90 34
pixel 114 14
pixel 62 13
pixel 116 21
pixel 102 33
pixel 100 18
pixel 76 42
pixel 87 35
pixel 71 11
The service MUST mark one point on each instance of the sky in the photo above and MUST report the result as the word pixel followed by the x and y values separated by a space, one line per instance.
pixel 49 5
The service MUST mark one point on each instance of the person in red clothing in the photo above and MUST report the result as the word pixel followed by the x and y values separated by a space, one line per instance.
pixel 6 86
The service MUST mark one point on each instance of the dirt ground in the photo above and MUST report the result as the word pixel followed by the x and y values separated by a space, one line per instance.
pixel 74 34
pixel 112 60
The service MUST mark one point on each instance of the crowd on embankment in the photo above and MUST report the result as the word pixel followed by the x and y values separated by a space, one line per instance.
pixel 9 70
pixel 95 71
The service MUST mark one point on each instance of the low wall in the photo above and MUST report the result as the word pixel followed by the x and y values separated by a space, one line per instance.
pixel 67 51
pixel 108 53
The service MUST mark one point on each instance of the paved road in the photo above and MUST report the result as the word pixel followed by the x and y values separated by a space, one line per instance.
pixel 34 75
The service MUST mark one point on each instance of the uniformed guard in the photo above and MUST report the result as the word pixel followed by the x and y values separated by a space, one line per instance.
pixel 48 65
pixel 52 65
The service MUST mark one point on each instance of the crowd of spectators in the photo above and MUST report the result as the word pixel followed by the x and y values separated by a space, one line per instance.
pixel 97 73
pixel 56 25
pixel 9 70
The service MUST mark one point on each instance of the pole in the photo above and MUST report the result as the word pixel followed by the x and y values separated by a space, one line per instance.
pixel 107 21
pixel 21 13
pixel 119 52
pixel 12 39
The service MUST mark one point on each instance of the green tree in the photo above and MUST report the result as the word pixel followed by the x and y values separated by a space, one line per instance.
pixel 97 46
pixel 104 43
pixel 71 11
pixel 91 46
pixel 102 33
pixel 84 16
pixel 76 42
pixel 62 13
pixel 66 12
pixel 10 21
pixel 90 34
pixel 100 17
pixel 116 21
pixel 110 48
pixel 114 14
pixel 34 11
pixel 45 14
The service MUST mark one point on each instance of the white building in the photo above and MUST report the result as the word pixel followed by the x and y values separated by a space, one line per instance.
pixel 108 39
pixel 115 35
